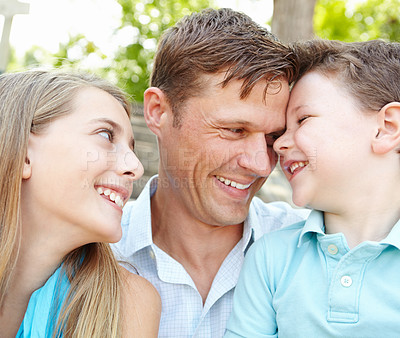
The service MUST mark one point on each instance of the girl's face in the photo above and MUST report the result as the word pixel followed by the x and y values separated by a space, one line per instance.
pixel 81 170
pixel 326 145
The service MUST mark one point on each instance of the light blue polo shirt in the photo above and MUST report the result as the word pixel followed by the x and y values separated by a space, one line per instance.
pixel 300 282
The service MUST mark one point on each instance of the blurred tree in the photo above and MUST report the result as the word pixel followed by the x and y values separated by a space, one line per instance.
pixel 293 19
pixel 142 24
pixel 144 21
pixel 360 21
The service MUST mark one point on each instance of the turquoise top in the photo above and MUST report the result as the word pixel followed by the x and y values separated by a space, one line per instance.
pixel 301 282
pixel 44 307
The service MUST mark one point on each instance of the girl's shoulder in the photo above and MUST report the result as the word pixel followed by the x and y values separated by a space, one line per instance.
pixel 141 306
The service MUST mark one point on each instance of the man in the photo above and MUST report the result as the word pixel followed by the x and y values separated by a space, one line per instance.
pixel 217 102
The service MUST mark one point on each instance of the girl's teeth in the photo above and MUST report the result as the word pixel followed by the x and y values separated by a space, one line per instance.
pixel 111 195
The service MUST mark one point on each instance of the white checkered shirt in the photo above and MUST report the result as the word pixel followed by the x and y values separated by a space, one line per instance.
pixel 183 313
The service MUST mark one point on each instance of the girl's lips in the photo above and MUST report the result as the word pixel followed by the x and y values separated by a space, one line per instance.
pixel 116 194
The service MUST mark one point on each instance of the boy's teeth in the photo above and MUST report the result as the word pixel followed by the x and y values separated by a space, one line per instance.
pixel 233 183
pixel 296 165
pixel 111 195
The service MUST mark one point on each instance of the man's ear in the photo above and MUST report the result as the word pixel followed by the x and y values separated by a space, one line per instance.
pixel 388 134
pixel 155 108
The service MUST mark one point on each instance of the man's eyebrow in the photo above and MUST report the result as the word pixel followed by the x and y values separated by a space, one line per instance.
pixel 115 126
pixel 235 122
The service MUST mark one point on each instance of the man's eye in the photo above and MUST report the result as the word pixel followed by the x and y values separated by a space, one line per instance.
pixel 106 133
pixel 236 130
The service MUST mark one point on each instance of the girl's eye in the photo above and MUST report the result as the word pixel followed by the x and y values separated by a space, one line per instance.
pixel 106 133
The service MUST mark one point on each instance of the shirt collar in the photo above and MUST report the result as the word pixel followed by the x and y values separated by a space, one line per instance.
pixel 136 219
pixel 137 222
pixel 394 236
pixel 313 224
pixel 252 229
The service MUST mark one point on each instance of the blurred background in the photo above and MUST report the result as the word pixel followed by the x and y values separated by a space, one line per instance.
pixel 116 39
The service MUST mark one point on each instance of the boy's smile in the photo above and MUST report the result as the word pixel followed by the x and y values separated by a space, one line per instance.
pixel 326 131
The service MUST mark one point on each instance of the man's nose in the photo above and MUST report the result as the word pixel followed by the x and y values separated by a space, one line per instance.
pixel 257 156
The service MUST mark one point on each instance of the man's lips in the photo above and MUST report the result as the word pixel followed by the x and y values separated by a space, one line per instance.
pixel 233 183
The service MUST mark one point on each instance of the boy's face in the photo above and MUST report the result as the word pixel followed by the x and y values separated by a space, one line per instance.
pixel 326 145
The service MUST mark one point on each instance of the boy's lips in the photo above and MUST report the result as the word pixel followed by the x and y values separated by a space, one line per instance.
pixel 293 166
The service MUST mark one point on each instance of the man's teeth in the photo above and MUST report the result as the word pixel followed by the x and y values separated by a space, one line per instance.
pixel 296 165
pixel 233 183
pixel 113 196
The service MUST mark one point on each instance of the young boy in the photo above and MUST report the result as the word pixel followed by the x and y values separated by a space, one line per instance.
pixel 338 272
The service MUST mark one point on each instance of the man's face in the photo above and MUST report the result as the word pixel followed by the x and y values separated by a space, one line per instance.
pixel 222 153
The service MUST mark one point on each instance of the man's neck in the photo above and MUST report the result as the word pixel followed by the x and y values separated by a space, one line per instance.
pixel 200 248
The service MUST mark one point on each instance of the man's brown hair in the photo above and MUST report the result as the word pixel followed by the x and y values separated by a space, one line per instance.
pixel 214 41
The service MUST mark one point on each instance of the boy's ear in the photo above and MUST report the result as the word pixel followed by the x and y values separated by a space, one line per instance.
pixel 388 135
pixel 156 106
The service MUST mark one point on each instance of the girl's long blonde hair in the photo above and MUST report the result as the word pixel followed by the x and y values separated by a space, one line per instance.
pixel 29 101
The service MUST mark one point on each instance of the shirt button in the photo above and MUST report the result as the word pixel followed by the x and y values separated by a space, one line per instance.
pixel 346 281
pixel 332 249
pixel 152 255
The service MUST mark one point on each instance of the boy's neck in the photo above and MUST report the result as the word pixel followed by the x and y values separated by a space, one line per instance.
pixel 369 219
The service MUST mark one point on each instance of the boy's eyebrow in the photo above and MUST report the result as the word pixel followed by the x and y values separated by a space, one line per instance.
pixel 295 109
pixel 115 126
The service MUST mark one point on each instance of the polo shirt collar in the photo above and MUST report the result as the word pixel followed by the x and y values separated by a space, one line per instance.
pixel 394 236
pixel 315 224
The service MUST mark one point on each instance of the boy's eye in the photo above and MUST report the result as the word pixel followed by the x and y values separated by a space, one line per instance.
pixel 302 119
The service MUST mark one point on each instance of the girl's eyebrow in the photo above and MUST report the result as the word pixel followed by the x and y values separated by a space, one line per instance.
pixel 116 127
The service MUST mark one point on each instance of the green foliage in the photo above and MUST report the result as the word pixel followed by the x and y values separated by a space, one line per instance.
pixel 360 21
pixel 142 24
pixel 144 21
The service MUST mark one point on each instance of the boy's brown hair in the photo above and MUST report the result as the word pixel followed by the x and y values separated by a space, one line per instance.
pixel 369 71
